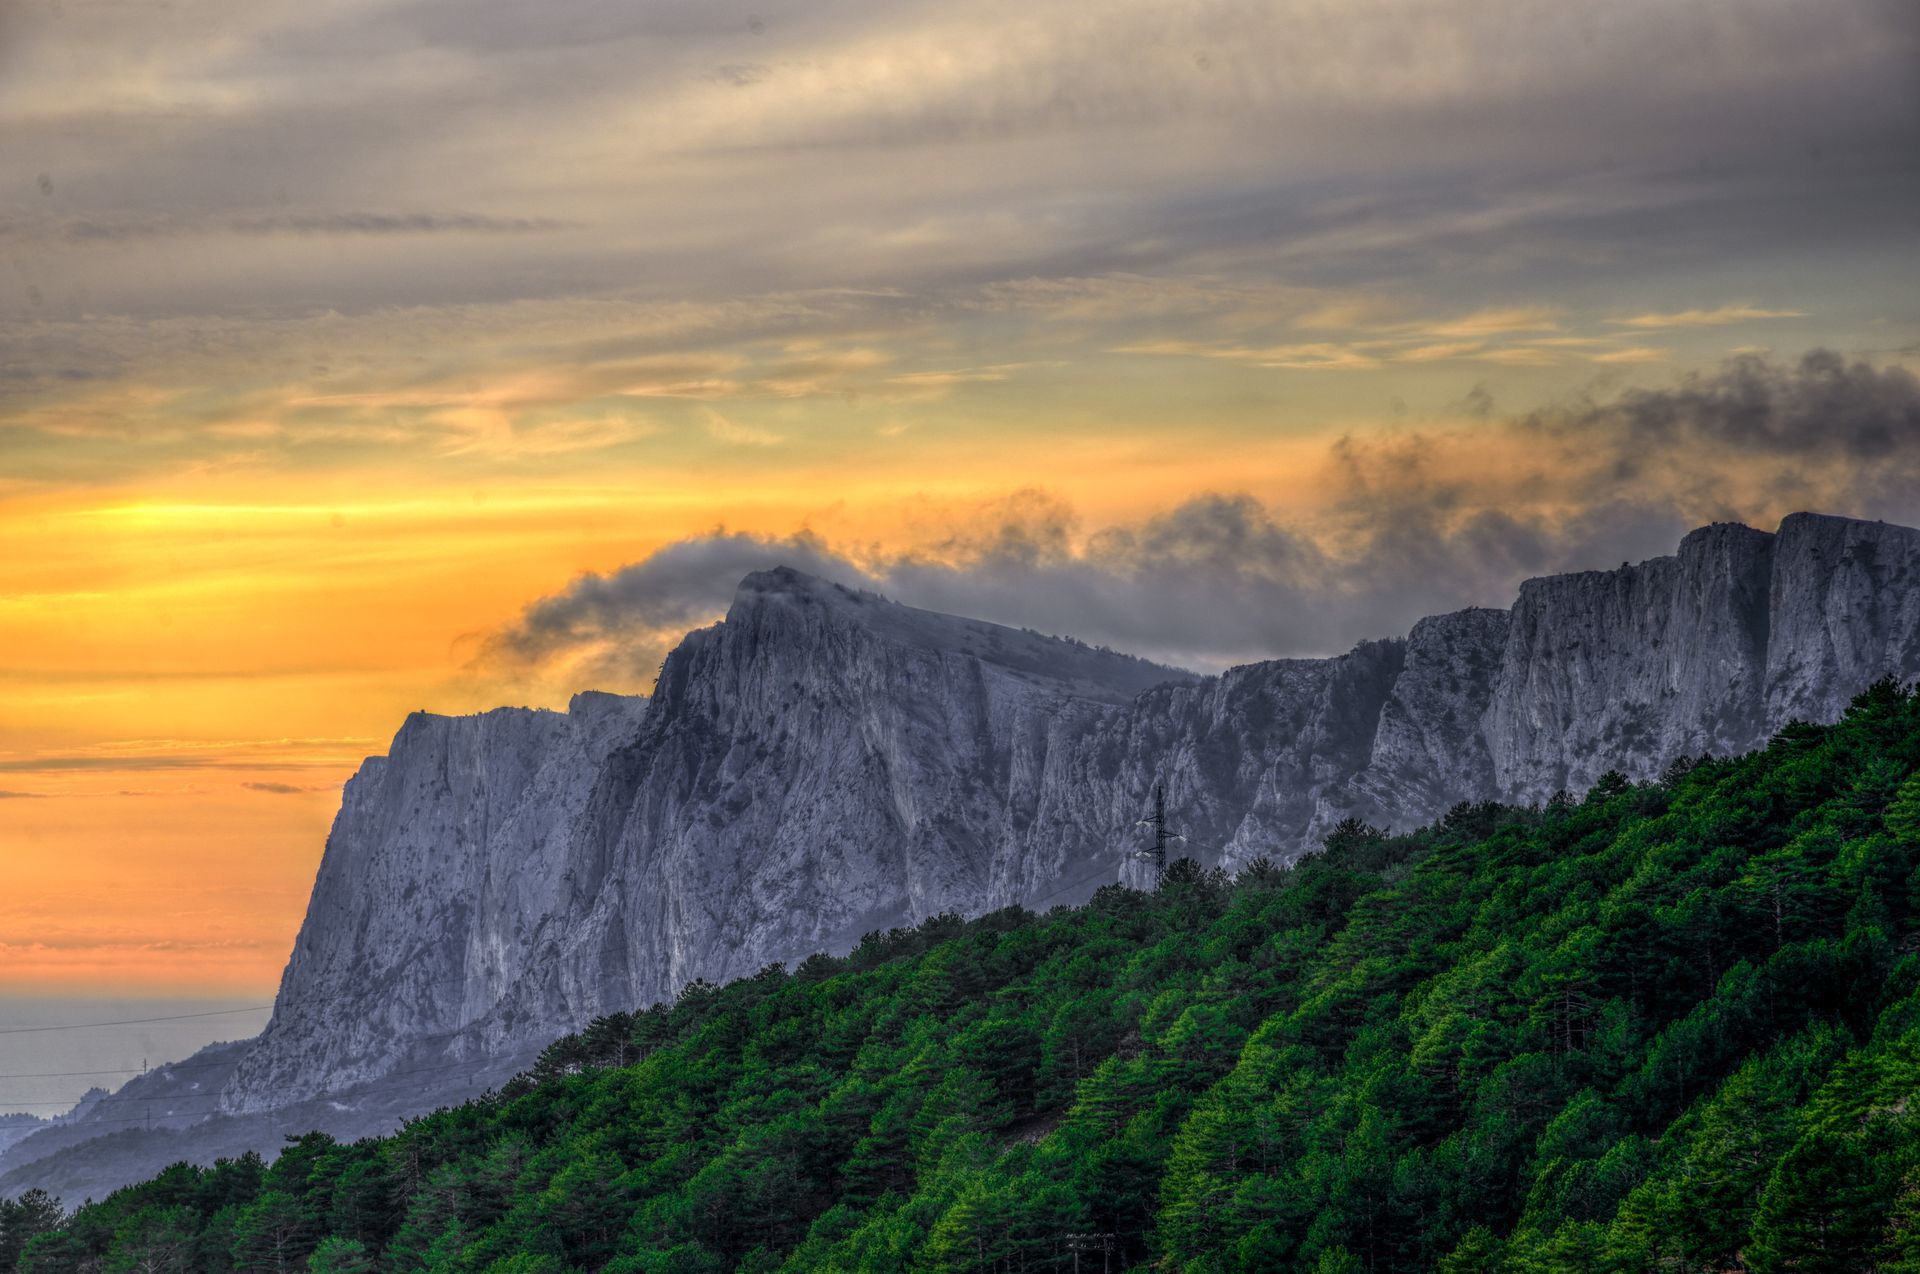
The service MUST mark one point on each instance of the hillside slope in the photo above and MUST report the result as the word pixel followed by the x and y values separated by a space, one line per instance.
pixel 825 762
pixel 1674 1026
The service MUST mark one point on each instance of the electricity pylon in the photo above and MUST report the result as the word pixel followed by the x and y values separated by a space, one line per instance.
pixel 1157 855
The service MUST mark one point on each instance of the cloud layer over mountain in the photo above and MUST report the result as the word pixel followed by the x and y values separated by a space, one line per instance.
pixel 1415 529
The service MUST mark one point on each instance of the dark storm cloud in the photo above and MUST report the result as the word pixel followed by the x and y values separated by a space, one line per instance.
pixel 1221 578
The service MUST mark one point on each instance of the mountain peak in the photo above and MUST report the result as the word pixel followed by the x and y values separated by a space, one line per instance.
pixel 786 583
pixel 783 579
pixel 1062 664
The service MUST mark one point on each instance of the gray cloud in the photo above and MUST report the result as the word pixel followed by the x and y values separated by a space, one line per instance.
pixel 1222 578
pixel 128 228
pixel 281 789
pixel 395 223
pixel 21 796
pixel 1755 437
pixel 1820 406
pixel 922 145
pixel 247 262
pixel 1215 581
pixel 679 587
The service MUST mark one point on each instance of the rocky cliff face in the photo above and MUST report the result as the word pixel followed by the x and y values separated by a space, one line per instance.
pixel 1628 669
pixel 824 762
pixel 443 877
pixel 1844 609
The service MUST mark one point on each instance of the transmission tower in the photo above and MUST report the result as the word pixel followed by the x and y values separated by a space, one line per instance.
pixel 1157 855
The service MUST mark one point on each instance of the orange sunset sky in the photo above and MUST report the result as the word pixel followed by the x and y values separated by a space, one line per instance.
pixel 358 357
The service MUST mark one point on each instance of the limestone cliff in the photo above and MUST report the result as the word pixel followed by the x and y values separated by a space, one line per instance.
pixel 824 762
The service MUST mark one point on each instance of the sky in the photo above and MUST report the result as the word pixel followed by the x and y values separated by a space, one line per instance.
pixel 361 356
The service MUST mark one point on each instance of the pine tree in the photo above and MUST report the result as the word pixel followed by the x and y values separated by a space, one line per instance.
pixel 1822 1212
pixel 24 1219
pixel 273 1233
pixel 336 1255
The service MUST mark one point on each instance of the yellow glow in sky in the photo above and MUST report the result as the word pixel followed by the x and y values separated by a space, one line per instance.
pixel 334 334
pixel 188 681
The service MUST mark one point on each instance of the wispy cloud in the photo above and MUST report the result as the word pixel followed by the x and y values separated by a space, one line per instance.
pixel 1631 354
pixel 1720 317
pixel 1502 321
pixel 1517 356
pixel 1438 352
pixel 500 435
pixel 110 227
pixel 160 755
pixel 940 382
pixel 1311 356
pixel 1513 336
pixel 735 434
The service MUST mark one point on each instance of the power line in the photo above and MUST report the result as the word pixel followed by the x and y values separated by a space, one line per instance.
pixel 85 1122
pixel 164 1067
pixel 131 1021
pixel 179 1066
pixel 181 1017
pixel 1075 884
pixel 115 1098
pixel 1072 884
pixel 1159 822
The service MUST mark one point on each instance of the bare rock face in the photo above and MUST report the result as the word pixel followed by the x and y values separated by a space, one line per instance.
pixel 444 868
pixel 1429 750
pixel 824 762
pixel 1844 611
pixel 1628 669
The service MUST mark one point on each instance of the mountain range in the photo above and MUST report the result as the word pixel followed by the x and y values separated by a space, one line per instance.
pixel 824 762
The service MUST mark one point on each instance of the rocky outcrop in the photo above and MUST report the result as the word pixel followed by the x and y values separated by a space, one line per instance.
pixel 1628 669
pixel 1844 609
pixel 443 877
pixel 1429 749
pixel 824 762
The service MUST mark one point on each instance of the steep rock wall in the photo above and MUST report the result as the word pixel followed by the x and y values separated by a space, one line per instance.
pixel 824 762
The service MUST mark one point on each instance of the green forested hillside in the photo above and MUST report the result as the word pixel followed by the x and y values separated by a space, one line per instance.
pixel 1669 1027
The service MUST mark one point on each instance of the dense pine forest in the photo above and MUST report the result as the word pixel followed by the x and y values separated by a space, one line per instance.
pixel 1672 1026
